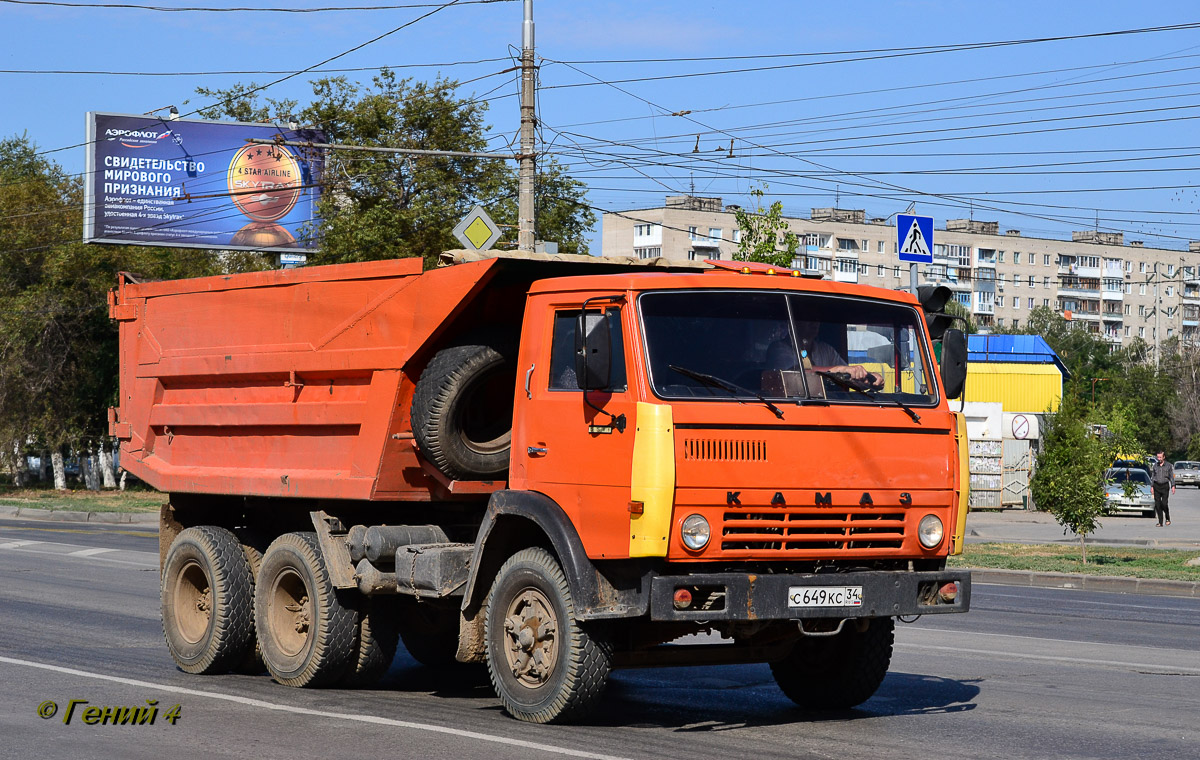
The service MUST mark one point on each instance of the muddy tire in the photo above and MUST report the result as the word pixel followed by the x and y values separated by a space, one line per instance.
pixel 207 597
pixel 376 637
pixel 306 632
pixel 837 672
pixel 429 631
pixel 545 666
pixel 252 547
pixel 462 409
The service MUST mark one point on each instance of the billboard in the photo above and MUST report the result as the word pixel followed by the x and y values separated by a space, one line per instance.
pixel 199 184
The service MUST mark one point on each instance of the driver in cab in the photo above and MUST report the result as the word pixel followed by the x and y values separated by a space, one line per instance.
pixel 819 355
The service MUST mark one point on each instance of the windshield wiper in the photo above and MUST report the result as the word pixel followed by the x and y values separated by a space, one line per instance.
pixel 716 382
pixel 838 380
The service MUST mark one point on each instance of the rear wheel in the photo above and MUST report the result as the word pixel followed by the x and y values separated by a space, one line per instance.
pixel 837 672
pixel 545 666
pixel 207 601
pixel 306 632
pixel 376 638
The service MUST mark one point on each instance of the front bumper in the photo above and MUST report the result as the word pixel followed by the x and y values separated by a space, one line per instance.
pixel 746 596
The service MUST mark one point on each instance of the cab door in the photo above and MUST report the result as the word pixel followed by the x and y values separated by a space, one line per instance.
pixel 565 448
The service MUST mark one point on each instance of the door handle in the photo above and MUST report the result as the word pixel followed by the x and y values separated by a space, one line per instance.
pixel 528 375
pixel 536 451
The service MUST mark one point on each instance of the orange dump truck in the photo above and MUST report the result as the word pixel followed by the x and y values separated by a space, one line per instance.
pixel 555 466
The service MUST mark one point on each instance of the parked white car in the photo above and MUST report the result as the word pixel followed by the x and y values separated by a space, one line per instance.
pixel 1140 502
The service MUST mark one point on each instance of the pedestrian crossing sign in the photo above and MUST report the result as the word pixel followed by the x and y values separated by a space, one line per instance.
pixel 914 238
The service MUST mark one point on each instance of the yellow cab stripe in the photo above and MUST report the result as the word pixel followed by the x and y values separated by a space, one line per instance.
pixel 652 481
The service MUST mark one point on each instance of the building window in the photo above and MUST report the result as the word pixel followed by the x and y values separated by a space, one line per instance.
pixel 999 257
pixel 896 272
pixel 1170 291
pixel 1141 311
pixel 1170 272
pixel 1016 257
pixel 879 269
pixel 1142 289
pixel 714 234
pixel 1016 324
pixel 1128 289
pixel 963 299
pixel 1141 332
pixel 864 270
pixel 1000 278
pixel 1170 331
pixel 1045 302
pixel 1141 267
pixel 1127 331
pixel 653 253
pixel 692 233
pixel 866 246
pixel 1128 309
pixel 1046 260
pixel 1000 322
pixel 737 234
pixel 1045 282
pixel 879 249
pixel 847 245
pixel 1000 302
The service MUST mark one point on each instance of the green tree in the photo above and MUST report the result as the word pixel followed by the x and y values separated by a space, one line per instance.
pixel 1069 479
pixel 58 348
pixel 381 206
pixel 765 236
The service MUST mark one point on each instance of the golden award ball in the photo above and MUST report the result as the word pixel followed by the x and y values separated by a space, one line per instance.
pixel 264 181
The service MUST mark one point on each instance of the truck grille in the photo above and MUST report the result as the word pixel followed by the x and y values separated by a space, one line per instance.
pixel 718 450
pixel 794 532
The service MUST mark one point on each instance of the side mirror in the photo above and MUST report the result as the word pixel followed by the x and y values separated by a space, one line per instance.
pixel 933 299
pixel 954 363
pixel 593 351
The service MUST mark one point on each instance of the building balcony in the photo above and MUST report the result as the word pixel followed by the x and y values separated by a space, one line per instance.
pixel 1079 292
pixel 1112 295
pixel 1088 315
pixel 1112 316
pixel 984 308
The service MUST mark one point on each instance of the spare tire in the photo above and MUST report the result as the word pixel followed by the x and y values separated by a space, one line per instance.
pixel 462 409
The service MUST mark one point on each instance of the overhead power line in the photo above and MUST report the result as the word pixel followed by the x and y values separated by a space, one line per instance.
pixel 900 53
pixel 248 72
pixel 201 9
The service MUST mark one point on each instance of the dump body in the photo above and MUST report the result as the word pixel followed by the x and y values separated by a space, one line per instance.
pixel 283 383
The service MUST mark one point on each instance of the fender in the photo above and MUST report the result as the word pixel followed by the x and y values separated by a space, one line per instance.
pixel 596 594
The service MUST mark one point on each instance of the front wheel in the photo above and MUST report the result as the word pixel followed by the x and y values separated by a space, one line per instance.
pixel 837 672
pixel 544 665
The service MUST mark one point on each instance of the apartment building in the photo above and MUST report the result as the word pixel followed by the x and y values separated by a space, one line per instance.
pixel 1096 278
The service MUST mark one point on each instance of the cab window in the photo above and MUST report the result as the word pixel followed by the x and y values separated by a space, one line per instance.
pixel 562 352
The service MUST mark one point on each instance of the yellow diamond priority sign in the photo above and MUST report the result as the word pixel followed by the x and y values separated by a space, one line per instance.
pixel 477 231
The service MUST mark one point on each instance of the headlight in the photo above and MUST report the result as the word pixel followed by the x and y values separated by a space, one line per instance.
pixel 930 531
pixel 694 532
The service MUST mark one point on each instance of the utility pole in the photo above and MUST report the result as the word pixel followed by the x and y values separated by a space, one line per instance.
pixel 1157 309
pixel 528 170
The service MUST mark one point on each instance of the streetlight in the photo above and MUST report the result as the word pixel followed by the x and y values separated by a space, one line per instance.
pixel 1094 381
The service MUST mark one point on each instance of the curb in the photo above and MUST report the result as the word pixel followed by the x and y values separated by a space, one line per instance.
pixel 1109 583
pixel 71 515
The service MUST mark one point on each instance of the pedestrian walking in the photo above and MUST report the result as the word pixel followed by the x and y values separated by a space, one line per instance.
pixel 1162 482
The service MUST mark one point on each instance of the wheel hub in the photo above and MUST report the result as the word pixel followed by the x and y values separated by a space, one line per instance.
pixel 531 628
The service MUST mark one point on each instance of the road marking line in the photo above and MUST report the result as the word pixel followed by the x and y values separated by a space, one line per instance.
pixel 1053 658
pixel 18 544
pixel 359 718
pixel 89 552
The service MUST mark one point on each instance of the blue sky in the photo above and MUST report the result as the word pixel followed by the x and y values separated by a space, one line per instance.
pixel 1045 137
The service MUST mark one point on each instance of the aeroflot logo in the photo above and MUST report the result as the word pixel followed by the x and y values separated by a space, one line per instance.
pixel 134 138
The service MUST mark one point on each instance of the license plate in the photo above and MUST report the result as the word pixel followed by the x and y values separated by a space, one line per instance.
pixel 825 596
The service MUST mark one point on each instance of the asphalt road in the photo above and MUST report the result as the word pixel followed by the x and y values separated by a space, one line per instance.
pixel 1029 673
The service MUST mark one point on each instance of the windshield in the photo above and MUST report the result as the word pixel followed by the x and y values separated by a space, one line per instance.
pixel 785 346
pixel 1122 476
